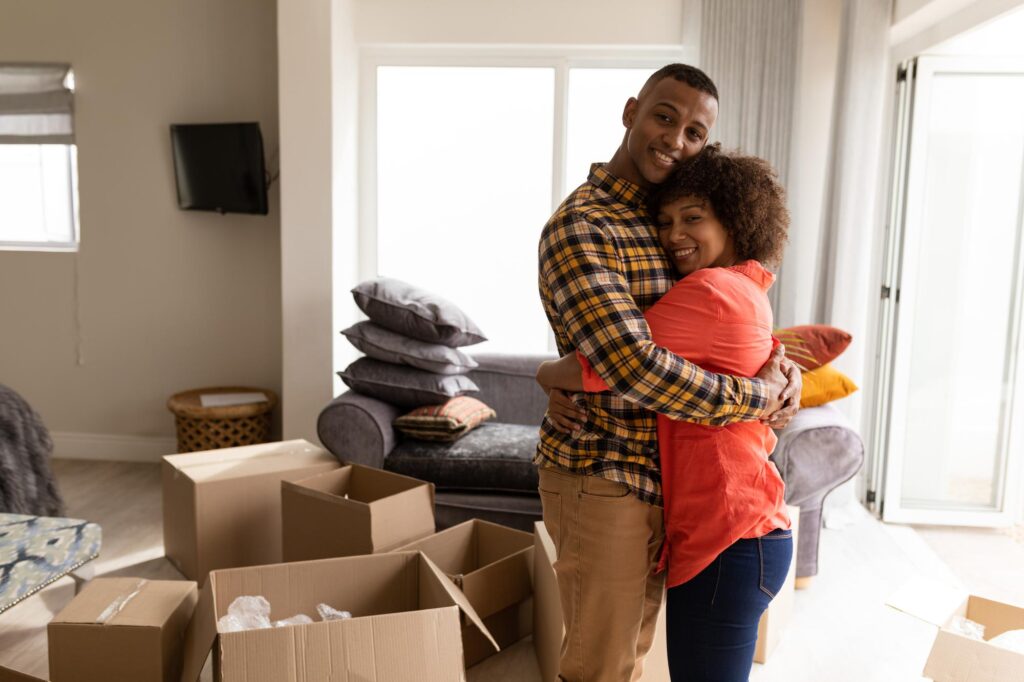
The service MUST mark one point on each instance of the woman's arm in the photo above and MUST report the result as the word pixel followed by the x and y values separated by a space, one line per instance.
pixel 564 373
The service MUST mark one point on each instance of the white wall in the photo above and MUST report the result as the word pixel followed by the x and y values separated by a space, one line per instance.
pixel 168 299
pixel 919 25
pixel 558 22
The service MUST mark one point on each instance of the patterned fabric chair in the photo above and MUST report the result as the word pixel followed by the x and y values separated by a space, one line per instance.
pixel 37 550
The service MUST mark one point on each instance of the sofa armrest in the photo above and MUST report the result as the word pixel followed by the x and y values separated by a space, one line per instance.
pixel 357 429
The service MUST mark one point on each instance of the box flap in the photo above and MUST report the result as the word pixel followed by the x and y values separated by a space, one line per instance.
pixel 201 633
pixel 547 610
pixel 956 658
pixel 456 596
pixel 8 675
pixel 931 601
pixel 248 460
pixel 996 616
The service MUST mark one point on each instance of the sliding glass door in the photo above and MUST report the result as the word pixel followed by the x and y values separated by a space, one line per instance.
pixel 950 420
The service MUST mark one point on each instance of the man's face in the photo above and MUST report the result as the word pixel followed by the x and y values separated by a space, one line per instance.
pixel 667 124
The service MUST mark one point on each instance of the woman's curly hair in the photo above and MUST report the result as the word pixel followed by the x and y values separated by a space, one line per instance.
pixel 743 191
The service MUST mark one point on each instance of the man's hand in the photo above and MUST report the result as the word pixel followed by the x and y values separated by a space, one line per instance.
pixel 565 415
pixel 782 377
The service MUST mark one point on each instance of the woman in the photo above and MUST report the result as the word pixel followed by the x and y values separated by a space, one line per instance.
pixel 721 218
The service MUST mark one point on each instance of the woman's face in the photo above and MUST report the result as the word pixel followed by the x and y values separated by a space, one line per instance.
pixel 692 235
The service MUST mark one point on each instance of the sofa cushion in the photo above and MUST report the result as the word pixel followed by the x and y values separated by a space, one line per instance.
pixel 411 311
pixel 445 423
pixel 404 386
pixel 494 457
pixel 383 344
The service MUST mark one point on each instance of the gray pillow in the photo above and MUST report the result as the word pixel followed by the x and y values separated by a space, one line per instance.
pixel 404 386
pixel 413 312
pixel 384 344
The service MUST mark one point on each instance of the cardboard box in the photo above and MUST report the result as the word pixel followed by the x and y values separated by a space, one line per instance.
pixel 405 625
pixel 9 675
pixel 491 564
pixel 955 657
pixel 353 510
pixel 776 618
pixel 122 629
pixel 222 508
pixel 548 628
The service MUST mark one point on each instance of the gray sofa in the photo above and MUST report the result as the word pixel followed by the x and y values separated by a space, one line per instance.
pixel 489 473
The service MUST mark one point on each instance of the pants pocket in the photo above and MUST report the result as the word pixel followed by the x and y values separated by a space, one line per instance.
pixel 551 508
pixel 775 553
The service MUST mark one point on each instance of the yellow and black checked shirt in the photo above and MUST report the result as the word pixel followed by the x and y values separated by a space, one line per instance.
pixel 600 266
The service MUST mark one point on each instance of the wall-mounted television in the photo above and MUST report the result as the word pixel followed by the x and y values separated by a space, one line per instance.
pixel 220 167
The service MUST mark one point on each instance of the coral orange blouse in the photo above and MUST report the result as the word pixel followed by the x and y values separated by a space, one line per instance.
pixel 717 481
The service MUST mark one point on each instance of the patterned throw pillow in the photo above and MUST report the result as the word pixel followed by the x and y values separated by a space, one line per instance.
pixel 823 385
pixel 447 422
pixel 812 345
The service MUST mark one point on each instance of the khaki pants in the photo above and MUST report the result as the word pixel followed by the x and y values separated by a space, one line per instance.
pixel 606 543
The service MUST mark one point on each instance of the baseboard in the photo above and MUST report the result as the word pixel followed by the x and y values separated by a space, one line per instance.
pixel 111 446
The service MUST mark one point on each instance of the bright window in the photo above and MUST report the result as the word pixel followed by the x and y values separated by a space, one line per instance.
pixel 470 162
pixel 38 194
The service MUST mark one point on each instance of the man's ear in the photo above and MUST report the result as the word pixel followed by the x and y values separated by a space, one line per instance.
pixel 629 112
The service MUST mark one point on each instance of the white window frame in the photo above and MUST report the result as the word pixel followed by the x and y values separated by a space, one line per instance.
pixel 561 58
pixel 71 245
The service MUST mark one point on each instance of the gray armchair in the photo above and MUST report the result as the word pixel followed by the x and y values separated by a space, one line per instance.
pixel 489 473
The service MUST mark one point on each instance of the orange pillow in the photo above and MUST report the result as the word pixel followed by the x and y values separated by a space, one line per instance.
pixel 823 385
pixel 812 345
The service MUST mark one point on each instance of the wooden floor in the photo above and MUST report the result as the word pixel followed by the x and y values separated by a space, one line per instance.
pixel 841 629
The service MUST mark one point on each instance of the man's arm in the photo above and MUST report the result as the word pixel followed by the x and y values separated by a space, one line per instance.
pixel 592 298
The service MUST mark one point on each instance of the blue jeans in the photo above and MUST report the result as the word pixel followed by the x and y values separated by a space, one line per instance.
pixel 712 619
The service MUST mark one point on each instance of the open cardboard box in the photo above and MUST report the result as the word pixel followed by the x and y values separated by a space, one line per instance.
pixel 353 510
pixel 405 625
pixel 222 508
pixel 491 564
pixel 955 657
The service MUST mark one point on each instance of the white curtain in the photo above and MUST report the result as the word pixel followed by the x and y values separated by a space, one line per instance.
pixel 750 49
pixel 35 104
pixel 847 283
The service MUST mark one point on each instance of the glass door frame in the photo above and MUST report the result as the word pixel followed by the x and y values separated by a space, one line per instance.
pixel 905 224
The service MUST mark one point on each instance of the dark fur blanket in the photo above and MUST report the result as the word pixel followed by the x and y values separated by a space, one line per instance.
pixel 27 485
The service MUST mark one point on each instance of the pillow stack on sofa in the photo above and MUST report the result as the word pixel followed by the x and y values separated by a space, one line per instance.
pixel 412 343
pixel 813 347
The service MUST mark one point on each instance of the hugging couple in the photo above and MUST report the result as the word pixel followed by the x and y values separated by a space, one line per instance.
pixel 653 458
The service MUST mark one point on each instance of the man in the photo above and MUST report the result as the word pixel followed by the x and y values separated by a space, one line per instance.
pixel 600 266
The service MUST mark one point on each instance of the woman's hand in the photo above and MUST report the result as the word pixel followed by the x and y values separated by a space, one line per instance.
pixel 565 415
pixel 784 382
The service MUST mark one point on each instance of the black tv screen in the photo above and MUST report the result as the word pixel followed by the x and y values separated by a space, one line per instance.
pixel 219 167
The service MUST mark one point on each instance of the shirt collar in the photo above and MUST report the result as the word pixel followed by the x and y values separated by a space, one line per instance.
pixel 755 271
pixel 625 191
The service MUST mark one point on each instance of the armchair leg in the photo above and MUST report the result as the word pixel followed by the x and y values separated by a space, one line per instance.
pixel 804 582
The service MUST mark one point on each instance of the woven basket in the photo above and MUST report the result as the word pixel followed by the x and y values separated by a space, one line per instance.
pixel 211 428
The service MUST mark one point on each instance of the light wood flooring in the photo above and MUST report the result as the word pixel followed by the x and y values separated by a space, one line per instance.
pixel 841 630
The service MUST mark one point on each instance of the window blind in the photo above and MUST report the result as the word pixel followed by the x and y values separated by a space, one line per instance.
pixel 36 104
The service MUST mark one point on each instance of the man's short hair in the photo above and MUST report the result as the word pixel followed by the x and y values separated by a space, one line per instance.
pixel 684 73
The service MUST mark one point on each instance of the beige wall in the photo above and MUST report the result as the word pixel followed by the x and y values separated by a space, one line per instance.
pixel 168 299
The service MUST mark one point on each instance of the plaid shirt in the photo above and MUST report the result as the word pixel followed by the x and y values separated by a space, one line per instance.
pixel 600 266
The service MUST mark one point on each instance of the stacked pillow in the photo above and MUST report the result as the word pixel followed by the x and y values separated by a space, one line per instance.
pixel 412 342
pixel 812 347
